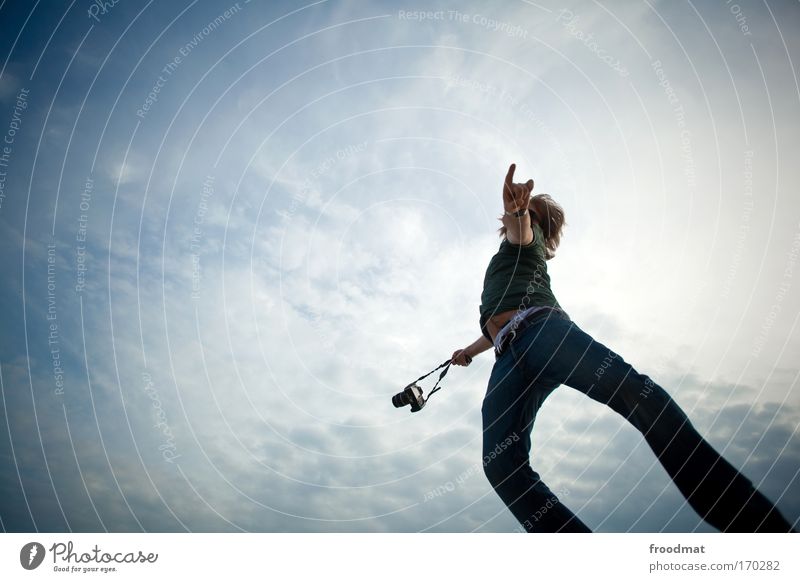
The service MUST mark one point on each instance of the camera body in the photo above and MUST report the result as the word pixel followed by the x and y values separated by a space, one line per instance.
pixel 411 394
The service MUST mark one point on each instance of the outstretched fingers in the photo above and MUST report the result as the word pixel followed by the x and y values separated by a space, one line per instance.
pixel 510 178
pixel 516 196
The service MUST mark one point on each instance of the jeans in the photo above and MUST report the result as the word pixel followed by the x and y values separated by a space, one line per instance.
pixel 554 351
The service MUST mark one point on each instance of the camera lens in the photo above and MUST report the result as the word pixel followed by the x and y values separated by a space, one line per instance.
pixel 401 399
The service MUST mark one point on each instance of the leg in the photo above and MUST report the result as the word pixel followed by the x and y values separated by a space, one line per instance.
pixel 508 411
pixel 713 487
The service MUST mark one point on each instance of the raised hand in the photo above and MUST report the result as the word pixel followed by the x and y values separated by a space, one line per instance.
pixel 516 196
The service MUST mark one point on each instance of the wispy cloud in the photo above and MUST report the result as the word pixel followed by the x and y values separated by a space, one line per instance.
pixel 288 243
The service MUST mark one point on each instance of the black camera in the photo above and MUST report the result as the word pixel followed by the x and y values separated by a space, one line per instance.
pixel 411 394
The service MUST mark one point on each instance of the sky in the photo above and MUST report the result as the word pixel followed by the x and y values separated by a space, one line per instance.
pixel 232 231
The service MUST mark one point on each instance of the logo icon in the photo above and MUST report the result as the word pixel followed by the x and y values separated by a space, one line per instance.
pixel 31 555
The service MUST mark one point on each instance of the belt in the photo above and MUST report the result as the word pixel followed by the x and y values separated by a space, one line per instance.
pixel 511 334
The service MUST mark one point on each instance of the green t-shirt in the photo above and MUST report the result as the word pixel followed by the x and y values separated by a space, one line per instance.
pixel 516 278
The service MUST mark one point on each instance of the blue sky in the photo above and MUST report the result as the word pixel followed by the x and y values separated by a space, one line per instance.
pixel 230 237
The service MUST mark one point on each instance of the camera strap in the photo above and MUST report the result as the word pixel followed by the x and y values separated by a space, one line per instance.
pixel 446 366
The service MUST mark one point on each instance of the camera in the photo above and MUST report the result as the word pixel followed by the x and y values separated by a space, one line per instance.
pixel 411 394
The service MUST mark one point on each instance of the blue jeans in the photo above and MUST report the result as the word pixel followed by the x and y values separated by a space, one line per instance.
pixel 554 351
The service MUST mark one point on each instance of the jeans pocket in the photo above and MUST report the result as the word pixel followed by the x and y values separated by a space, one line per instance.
pixel 539 348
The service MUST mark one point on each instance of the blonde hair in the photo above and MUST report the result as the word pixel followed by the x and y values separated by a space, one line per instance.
pixel 551 220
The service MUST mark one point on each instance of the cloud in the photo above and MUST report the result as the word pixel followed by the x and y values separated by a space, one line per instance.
pixel 233 363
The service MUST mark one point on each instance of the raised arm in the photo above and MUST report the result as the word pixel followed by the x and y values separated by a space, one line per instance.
pixel 517 219
pixel 480 345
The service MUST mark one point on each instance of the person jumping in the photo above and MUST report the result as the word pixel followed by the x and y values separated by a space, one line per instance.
pixel 538 347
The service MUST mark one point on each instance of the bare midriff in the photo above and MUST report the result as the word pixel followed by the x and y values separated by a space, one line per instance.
pixel 497 321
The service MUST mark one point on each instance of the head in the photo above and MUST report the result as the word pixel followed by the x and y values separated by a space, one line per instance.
pixel 550 216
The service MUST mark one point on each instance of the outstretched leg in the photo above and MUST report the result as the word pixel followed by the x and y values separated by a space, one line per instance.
pixel 722 496
pixel 508 411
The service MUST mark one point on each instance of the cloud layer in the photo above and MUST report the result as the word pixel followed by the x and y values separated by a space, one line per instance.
pixel 285 213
